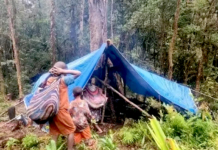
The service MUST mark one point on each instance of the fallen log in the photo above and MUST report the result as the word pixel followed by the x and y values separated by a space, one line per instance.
pixel 131 103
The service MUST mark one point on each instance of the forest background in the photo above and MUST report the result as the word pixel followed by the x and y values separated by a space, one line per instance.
pixel 177 39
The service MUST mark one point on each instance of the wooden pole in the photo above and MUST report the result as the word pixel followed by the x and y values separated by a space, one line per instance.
pixel 131 103
pixel 105 89
pixel 124 80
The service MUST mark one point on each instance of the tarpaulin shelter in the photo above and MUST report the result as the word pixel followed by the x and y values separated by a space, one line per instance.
pixel 138 80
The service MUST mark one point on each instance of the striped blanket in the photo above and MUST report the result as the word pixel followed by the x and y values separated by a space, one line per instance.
pixel 44 104
pixel 94 96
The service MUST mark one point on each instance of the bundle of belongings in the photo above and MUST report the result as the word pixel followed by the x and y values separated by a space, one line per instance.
pixel 96 100
pixel 45 103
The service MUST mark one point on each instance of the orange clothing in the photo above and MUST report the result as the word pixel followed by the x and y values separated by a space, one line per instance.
pixel 62 123
pixel 85 134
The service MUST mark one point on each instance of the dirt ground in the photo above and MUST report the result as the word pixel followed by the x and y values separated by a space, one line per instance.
pixel 12 130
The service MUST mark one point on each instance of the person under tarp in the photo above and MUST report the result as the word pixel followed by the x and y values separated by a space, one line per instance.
pixel 96 100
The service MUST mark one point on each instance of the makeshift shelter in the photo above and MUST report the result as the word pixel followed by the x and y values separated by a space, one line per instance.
pixel 138 80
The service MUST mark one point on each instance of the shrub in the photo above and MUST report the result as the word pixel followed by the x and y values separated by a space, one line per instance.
pixel 175 125
pixel 203 132
pixel 107 143
pixel 82 146
pixel 60 141
pixel 134 134
pixel 30 141
pixel 193 132
pixel 52 146
pixel 11 143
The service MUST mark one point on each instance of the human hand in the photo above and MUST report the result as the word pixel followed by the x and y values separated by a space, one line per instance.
pixel 56 70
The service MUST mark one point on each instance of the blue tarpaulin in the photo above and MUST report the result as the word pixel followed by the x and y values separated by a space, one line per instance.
pixel 138 80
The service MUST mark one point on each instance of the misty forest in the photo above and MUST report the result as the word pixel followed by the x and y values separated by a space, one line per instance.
pixel 175 39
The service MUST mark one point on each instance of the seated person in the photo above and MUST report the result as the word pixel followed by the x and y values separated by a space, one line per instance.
pixel 95 94
pixel 81 114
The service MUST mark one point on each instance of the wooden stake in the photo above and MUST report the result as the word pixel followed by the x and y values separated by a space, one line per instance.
pixel 124 80
pixel 105 90
pixel 131 103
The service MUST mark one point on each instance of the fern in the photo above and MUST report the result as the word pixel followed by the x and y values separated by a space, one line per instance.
pixel 127 137
pixel 175 125
pixel 52 146
pixel 30 141
pixel 134 134
pixel 196 132
pixel 12 142
pixel 107 143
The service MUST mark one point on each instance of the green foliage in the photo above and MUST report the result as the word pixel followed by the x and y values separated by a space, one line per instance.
pixel 4 105
pixel 190 131
pixel 107 143
pixel 193 132
pixel 30 141
pixel 1 99
pixel 175 125
pixel 160 138
pixel 135 133
pixel 52 146
pixel 82 146
pixel 200 4
pixel 11 143
pixel 61 140
pixel 204 133
pixel 209 86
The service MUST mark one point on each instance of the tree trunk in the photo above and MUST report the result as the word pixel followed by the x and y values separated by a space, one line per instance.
pixel 81 24
pixel 81 17
pixel 161 56
pixel 199 75
pixel 52 32
pixel 172 43
pixel 2 87
pixel 14 12
pixel 15 47
pixel 112 32
pixel 97 23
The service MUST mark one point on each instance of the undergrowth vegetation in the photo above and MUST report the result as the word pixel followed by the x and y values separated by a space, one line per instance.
pixel 30 141
pixel 189 132
pixel 193 132
pixel 133 133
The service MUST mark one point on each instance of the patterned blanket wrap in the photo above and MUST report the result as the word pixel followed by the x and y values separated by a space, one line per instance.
pixel 40 103
pixel 94 97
